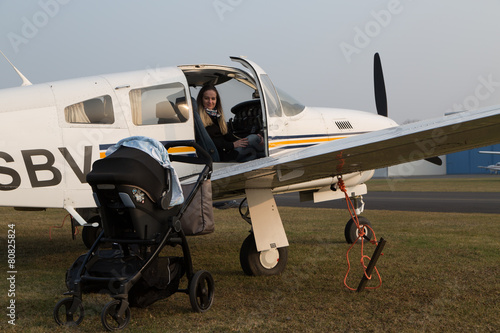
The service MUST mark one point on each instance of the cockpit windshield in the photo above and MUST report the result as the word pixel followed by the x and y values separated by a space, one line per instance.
pixel 291 107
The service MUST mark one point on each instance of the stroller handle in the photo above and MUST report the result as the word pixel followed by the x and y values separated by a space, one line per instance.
pixel 205 157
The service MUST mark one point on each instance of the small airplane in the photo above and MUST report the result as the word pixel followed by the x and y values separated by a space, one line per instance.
pixel 52 133
pixel 494 168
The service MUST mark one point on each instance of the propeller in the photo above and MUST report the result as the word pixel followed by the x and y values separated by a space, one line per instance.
pixel 378 78
pixel 381 97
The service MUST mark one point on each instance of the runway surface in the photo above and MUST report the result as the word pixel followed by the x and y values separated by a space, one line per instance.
pixel 459 202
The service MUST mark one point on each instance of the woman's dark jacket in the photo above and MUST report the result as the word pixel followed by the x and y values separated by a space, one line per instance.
pixel 224 143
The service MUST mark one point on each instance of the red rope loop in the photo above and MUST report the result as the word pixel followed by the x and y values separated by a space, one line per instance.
pixel 361 235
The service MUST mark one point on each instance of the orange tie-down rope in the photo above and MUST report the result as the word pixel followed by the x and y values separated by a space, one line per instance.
pixel 59 227
pixel 361 230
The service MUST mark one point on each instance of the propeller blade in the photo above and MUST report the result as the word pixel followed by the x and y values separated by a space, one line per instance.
pixel 380 95
pixel 435 160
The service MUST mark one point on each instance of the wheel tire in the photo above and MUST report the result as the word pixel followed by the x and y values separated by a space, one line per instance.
pixel 245 252
pixel 201 291
pixel 61 315
pixel 351 232
pixel 254 263
pixel 90 234
pixel 109 318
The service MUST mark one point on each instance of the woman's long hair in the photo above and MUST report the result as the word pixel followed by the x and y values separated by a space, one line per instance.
pixel 205 118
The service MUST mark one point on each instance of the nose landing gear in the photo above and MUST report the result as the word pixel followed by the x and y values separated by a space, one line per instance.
pixel 254 263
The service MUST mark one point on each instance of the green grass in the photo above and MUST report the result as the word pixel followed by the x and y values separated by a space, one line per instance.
pixel 440 273
pixel 473 184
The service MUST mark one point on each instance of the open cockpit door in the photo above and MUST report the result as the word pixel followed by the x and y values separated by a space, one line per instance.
pixel 270 102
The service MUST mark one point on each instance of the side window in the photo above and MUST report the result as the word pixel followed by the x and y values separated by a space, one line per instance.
pixel 165 104
pixel 97 110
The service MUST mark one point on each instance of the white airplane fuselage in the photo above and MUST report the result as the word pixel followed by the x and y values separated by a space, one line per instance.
pixel 45 153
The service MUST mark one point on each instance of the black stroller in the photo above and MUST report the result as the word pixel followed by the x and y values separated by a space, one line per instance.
pixel 133 192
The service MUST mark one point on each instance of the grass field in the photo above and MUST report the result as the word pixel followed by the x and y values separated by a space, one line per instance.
pixel 440 274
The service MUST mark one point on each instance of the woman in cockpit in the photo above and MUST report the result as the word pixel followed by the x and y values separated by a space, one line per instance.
pixel 229 147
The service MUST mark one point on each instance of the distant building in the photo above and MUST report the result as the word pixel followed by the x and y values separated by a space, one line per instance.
pixel 467 162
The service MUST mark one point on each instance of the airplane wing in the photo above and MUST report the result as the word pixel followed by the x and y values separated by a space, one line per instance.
pixel 363 152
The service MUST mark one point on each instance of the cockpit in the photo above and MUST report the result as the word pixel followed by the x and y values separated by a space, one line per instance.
pixel 241 101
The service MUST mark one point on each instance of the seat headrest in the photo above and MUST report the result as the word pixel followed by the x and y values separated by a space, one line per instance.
pixel 165 113
pixel 94 109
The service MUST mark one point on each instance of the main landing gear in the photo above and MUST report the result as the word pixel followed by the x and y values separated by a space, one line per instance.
pixel 255 263
pixel 89 233
pixel 270 262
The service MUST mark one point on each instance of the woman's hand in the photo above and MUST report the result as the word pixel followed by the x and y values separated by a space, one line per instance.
pixel 241 143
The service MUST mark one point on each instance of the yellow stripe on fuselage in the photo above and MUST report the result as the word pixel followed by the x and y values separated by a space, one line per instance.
pixel 174 150
pixel 181 150
pixel 276 144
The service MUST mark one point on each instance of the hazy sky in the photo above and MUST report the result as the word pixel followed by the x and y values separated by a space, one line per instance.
pixel 437 55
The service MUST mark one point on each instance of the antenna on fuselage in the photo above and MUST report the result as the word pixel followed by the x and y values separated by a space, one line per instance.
pixel 26 82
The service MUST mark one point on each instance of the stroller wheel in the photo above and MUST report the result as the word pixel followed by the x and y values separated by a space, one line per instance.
pixel 110 318
pixel 201 291
pixel 63 314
